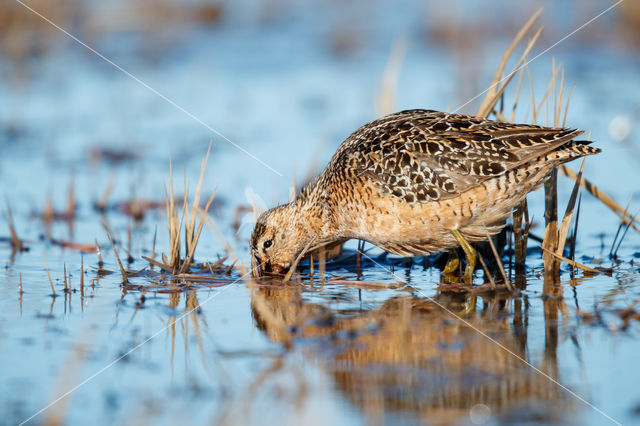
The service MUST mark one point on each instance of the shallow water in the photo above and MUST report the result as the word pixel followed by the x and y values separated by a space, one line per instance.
pixel 288 85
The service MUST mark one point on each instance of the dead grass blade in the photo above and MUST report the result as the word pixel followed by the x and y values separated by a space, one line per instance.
pixel 160 265
pixel 389 82
pixel 568 214
pixel 603 197
pixel 517 95
pixel 125 280
pixel 550 87
pixel 16 243
pixel 615 252
pixel 571 262
pixel 486 270
pixel 494 93
pixel 497 256
pixel 53 290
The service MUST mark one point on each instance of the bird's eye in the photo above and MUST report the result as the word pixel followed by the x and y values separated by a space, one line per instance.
pixel 268 244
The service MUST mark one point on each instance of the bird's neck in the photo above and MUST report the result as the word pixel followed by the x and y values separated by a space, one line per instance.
pixel 311 221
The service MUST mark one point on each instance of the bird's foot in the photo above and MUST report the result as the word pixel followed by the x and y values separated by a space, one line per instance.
pixel 470 255
pixel 453 262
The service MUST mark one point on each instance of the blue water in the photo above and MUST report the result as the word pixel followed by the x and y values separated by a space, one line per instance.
pixel 288 83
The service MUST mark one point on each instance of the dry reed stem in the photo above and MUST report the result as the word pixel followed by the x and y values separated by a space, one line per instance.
pixel 520 63
pixel 520 235
pixel 191 220
pixel 53 290
pixel 566 108
pixel 517 95
pixel 549 88
pixel 294 185
pixel 125 280
pixel 160 265
pixel 81 276
pixel 615 252
pixel 322 263
pixel 494 93
pixel 568 214
pixel 571 262
pixel 193 241
pixel 99 254
pixel 390 76
pixel 534 116
pixel 497 256
pixel 486 270
pixel 153 247
pixel 106 194
pixel 174 228
pixel 16 244
pixel 66 286
pixel 603 197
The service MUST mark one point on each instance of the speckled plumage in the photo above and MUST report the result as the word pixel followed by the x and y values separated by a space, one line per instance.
pixel 404 181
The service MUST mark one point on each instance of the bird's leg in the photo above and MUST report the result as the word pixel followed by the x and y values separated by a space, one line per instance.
pixel 452 262
pixel 469 253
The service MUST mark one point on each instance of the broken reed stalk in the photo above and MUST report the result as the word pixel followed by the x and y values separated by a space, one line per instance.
pixel 53 290
pixel 552 235
pixel 520 235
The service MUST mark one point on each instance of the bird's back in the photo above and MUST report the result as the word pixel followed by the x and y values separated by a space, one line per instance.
pixel 423 155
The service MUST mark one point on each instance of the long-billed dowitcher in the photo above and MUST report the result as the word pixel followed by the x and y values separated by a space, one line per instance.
pixel 416 182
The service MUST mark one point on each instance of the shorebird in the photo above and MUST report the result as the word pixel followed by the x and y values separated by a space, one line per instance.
pixel 414 183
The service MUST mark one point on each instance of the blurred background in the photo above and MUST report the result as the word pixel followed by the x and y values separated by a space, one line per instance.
pixel 96 97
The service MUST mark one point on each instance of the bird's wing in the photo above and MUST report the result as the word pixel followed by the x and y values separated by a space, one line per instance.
pixel 422 155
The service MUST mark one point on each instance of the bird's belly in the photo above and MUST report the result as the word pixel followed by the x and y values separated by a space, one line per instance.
pixel 412 228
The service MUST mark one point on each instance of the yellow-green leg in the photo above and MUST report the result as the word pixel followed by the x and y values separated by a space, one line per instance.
pixel 469 253
pixel 452 262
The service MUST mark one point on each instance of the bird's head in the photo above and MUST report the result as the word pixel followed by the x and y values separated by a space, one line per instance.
pixel 277 239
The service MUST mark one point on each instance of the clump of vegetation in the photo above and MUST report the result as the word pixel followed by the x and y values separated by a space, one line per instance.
pixel 191 217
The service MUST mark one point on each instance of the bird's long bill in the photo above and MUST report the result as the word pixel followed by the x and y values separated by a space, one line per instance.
pixel 255 268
